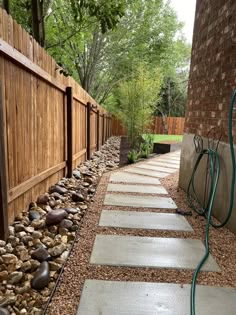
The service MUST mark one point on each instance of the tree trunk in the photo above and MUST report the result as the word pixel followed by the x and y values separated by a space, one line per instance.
pixel 5 5
pixel 38 21
pixel 169 97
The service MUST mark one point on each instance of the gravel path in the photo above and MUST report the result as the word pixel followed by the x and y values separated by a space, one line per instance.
pixel 222 244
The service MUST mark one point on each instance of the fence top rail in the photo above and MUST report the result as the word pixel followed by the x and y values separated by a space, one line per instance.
pixel 17 57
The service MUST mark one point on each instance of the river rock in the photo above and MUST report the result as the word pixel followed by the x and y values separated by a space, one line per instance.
pixel 41 277
pixel 8 299
pixel 41 254
pixel 38 224
pixel 71 210
pixel 43 199
pixel 57 250
pixel 2 243
pixel 54 266
pixel 26 266
pixel 67 224
pixel 2 251
pixel 19 227
pixel 15 277
pixel 4 311
pixel 9 259
pixel 76 173
pixel 34 215
pixel 22 253
pixel 3 275
pixel 56 216
pixel 58 189
pixel 76 197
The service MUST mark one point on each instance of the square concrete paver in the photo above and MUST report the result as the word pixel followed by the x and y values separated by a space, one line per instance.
pixel 122 177
pixel 147 189
pixel 136 251
pixel 163 164
pixel 156 168
pixel 139 201
pixel 142 298
pixel 167 161
pixel 150 173
pixel 144 220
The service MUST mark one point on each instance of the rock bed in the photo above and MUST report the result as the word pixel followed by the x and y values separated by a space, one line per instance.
pixel 41 238
pixel 222 244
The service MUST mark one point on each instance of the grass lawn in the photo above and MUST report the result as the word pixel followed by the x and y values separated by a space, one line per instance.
pixel 159 138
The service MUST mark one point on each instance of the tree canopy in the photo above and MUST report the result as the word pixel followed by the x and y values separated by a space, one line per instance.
pixel 103 44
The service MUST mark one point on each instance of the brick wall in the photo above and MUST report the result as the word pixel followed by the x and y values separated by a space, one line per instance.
pixel 213 67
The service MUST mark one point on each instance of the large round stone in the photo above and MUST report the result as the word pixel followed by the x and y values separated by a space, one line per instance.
pixel 4 311
pixel 43 199
pixel 34 215
pixel 41 277
pixel 55 216
pixel 41 254
pixel 77 197
pixel 58 189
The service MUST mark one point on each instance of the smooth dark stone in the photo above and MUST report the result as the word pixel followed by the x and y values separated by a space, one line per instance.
pixel 76 197
pixel 55 216
pixel 41 254
pixel 41 277
pixel 58 189
pixel 76 174
pixel 71 210
pixel 67 224
pixel 4 311
pixel 34 215
pixel 43 199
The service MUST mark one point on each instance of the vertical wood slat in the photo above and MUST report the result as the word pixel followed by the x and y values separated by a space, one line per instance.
pixel 98 130
pixel 88 130
pixel 69 103
pixel 103 127
pixel 3 183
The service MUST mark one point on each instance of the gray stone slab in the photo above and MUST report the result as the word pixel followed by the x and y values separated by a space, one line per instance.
pixel 124 177
pixel 156 168
pixel 136 251
pixel 142 298
pixel 144 220
pixel 139 201
pixel 147 189
pixel 167 161
pixel 136 170
pixel 163 164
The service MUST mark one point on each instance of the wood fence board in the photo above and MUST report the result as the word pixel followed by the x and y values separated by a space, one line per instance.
pixel 35 117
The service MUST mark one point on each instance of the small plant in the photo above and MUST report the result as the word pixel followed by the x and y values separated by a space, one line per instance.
pixel 149 139
pixel 144 150
pixel 132 156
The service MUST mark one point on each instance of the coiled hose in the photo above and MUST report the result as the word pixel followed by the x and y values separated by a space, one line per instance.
pixel 214 161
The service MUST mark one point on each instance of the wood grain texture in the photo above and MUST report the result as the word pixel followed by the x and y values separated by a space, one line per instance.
pixel 35 118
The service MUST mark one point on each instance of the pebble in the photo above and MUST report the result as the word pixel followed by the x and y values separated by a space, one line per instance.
pixel 56 216
pixel 41 254
pixel 15 277
pixel 41 277
pixel 67 224
pixel 58 189
pixel 2 243
pixel 38 224
pixel 34 215
pixel 57 250
pixel 71 210
pixel 76 197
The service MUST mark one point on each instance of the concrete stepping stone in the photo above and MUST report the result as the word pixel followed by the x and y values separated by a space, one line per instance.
pixel 163 164
pixel 147 189
pixel 156 168
pixel 144 220
pixel 123 177
pixel 166 161
pixel 151 173
pixel 139 201
pixel 136 251
pixel 143 298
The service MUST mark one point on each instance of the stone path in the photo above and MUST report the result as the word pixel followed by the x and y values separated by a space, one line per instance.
pixel 134 187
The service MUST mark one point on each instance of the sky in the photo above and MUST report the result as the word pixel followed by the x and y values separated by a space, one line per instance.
pixel 186 12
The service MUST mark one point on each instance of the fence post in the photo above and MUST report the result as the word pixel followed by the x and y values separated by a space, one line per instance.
pixel 3 183
pixel 98 130
pixel 69 108
pixel 103 127
pixel 88 130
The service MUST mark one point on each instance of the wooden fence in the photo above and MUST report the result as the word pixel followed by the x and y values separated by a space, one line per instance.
pixel 48 123
pixel 175 126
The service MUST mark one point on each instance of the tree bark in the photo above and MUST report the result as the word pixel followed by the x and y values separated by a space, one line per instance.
pixel 38 21
pixel 5 5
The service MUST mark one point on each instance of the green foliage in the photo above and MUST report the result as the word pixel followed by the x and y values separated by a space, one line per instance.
pixel 145 150
pixel 132 156
pixel 134 101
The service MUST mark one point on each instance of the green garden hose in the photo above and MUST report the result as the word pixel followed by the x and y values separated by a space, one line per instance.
pixel 214 161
